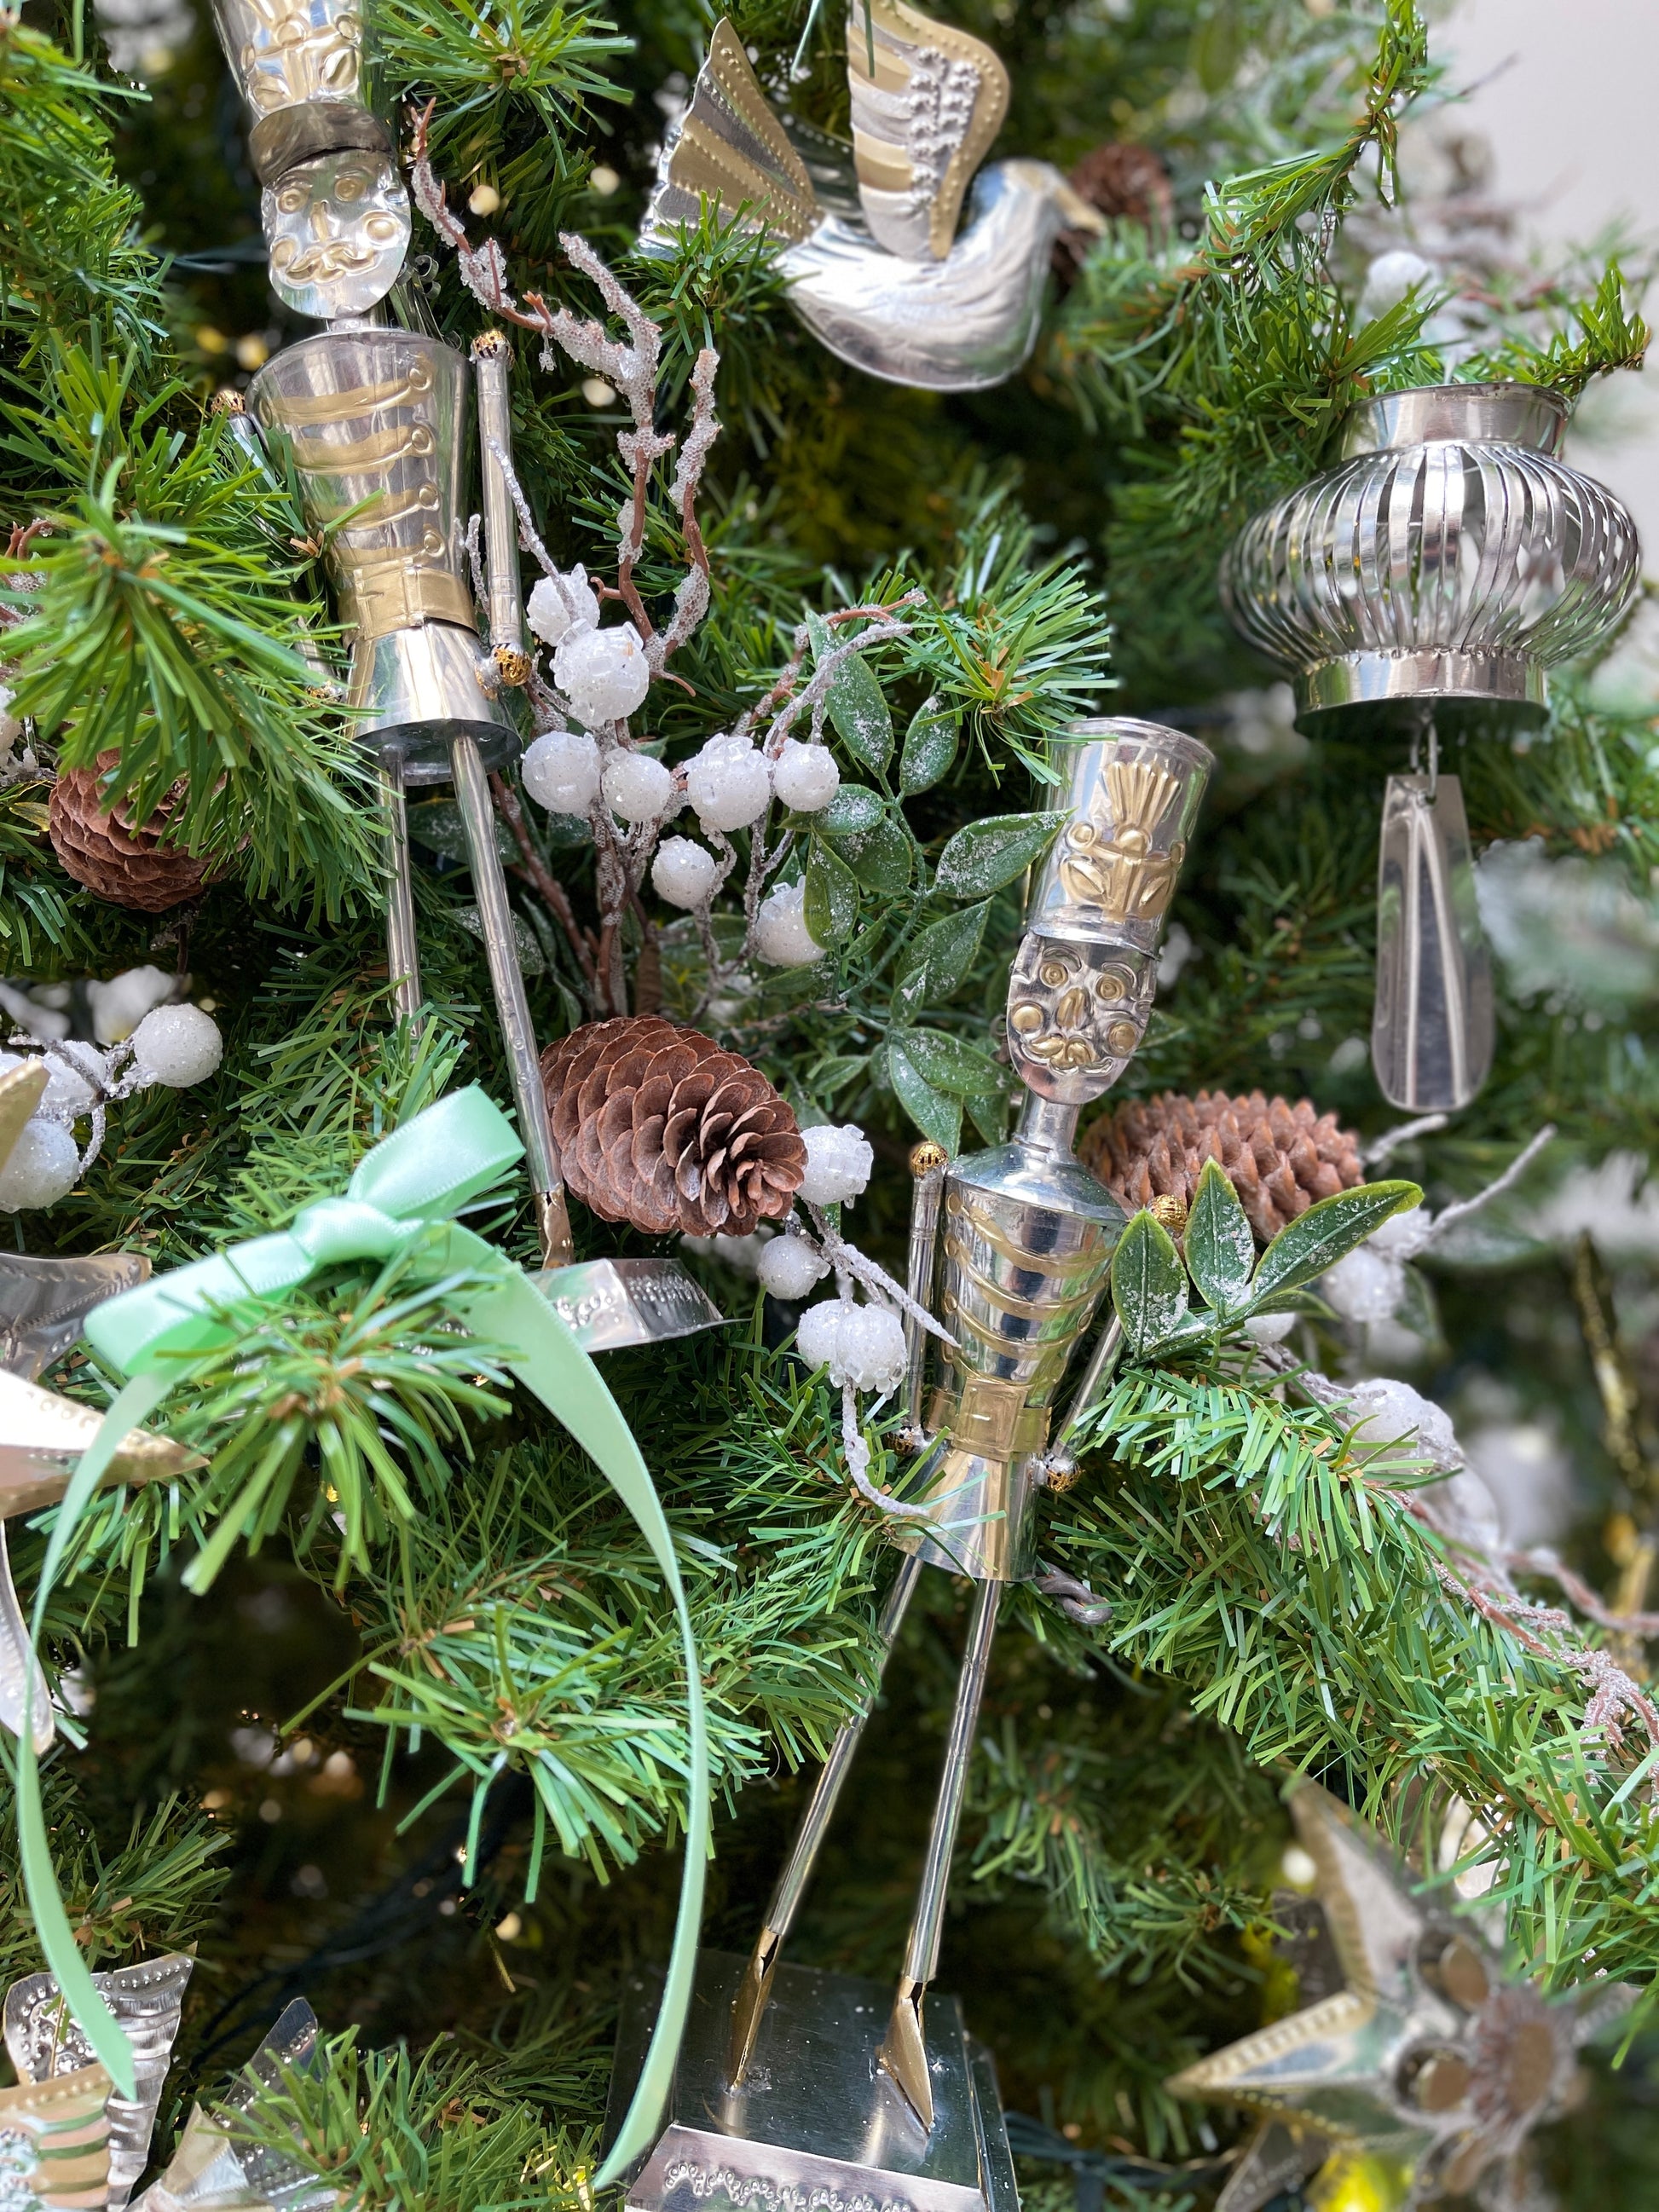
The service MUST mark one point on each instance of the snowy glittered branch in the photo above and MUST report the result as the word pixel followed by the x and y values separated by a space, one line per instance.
pixel 629 365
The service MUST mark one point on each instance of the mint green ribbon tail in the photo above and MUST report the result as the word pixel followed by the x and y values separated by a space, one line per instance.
pixel 403 1196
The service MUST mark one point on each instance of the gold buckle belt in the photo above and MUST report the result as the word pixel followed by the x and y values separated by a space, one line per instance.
pixel 990 1418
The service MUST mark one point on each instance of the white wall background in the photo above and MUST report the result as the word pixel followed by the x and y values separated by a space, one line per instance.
pixel 1565 95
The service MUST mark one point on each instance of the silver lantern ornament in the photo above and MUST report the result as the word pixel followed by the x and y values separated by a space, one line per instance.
pixel 792 2081
pixel 376 426
pixel 1425 586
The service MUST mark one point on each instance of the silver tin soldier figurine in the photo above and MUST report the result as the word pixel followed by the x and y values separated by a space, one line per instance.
pixel 1028 1236
pixel 375 424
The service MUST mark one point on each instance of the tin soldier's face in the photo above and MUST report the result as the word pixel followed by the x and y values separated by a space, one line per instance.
pixel 338 229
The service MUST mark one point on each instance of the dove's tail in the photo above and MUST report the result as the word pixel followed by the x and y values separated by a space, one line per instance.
pixel 730 149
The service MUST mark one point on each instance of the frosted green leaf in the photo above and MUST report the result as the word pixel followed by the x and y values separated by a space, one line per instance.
pixel 436 823
pixel 523 938
pixel 930 746
pixel 1220 1248
pixel 856 708
pixel 1317 1239
pixel 879 857
pixel 933 1114
pixel 854 807
pixel 1149 1283
pixel 982 856
pixel 950 1064
pixel 936 964
pixel 832 896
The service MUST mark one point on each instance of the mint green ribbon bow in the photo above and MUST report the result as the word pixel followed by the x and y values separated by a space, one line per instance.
pixel 402 1197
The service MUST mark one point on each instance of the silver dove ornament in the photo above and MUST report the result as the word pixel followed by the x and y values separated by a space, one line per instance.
pixel 877 271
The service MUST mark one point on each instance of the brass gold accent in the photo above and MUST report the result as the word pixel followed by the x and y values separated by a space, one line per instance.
pixel 1108 860
pixel 927 1155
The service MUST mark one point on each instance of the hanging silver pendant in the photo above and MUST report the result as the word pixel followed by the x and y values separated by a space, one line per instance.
pixel 1432 1026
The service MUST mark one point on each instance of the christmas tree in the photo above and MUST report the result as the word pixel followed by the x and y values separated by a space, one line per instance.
pixel 366 1686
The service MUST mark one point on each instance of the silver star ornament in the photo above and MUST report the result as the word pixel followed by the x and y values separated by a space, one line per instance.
pixel 1431 2059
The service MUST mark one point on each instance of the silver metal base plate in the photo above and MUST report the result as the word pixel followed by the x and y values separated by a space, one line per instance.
pixel 816 2126
pixel 608 1304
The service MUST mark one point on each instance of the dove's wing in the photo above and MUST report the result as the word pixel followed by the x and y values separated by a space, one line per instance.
pixel 730 148
pixel 928 100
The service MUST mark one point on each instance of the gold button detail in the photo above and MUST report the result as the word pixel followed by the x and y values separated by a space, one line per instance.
pixel 925 1156
pixel 1122 1037
pixel 1026 1017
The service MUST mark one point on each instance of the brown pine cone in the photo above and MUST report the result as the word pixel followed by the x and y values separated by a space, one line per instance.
pixel 660 1126
pixel 126 864
pixel 1278 1157
pixel 1120 178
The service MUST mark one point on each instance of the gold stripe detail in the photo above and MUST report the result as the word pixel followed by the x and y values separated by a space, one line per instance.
pixel 378 600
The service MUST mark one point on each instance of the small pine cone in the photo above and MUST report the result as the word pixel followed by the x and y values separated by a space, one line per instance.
pixel 125 863
pixel 1278 1157
pixel 1119 178
pixel 660 1126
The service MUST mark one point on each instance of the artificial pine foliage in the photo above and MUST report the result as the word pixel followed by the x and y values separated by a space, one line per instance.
pixel 382 1704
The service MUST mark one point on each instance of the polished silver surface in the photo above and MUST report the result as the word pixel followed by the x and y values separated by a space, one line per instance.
pixel 43 2040
pixel 491 361
pixel 302 70
pixel 1092 1386
pixel 402 945
pixel 512 1007
pixel 211 2171
pixel 609 1304
pixel 904 2053
pixel 754 1988
pixel 336 228
pixel 1454 559
pixel 959 325
pixel 1479 414
pixel 1433 1025
pixel 376 425
pixel 1132 794
pixel 1028 1238
pixel 1076 1014
pixel 43 1302
pixel 955 323
pixel 816 2125
pixel 926 1195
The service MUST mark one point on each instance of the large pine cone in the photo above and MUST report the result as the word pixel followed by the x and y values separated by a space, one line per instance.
pixel 1278 1157
pixel 123 863
pixel 658 1125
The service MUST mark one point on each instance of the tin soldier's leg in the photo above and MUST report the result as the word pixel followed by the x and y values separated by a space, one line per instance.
pixel 756 1985
pixel 512 1008
pixel 403 953
pixel 904 2053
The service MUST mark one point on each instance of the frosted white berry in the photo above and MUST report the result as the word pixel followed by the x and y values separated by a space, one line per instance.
pixel 560 771
pixel 1387 1413
pixel 120 1004
pixel 637 786
pixel 10 728
pixel 805 777
pixel 781 937
pixel 1364 1285
pixel 728 783
pixel 839 1160
pixel 66 1092
pixel 42 1166
pixel 683 871
pixel 789 1266
pixel 861 1344
pixel 603 672
pixel 177 1046
pixel 561 604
